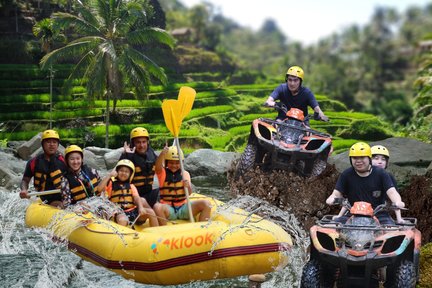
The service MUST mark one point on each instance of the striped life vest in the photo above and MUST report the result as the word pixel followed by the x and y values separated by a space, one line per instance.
pixel 172 191
pixel 82 188
pixel 121 194
pixel 47 175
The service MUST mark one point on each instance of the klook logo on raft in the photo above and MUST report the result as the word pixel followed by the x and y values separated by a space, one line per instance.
pixel 184 242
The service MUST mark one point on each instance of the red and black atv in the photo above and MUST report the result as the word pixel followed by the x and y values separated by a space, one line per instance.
pixel 361 252
pixel 287 145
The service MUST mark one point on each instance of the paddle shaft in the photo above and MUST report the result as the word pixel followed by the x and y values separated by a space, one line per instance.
pixel 42 193
pixel 185 188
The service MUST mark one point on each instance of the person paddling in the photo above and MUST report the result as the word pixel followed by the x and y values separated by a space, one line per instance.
pixel 46 169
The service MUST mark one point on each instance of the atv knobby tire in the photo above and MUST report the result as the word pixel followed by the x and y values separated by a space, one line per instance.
pixel 247 160
pixel 316 276
pixel 403 275
pixel 318 167
pixel 311 275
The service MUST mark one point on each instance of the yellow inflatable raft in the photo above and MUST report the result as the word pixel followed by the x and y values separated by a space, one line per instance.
pixel 232 243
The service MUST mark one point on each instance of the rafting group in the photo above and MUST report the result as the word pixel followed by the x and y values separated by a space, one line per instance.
pixel 129 184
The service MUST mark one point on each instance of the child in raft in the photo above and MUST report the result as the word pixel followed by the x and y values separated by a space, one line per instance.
pixel 117 188
pixel 173 200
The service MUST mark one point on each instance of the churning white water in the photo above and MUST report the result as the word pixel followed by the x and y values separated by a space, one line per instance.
pixel 28 258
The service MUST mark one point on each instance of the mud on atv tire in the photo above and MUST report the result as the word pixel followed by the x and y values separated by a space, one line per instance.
pixel 247 160
pixel 403 275
pixel 318 167
pixel 316 276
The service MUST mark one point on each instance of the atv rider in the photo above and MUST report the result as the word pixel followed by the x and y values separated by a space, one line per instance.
pixel 380 158
pixel 293 95
pixel 364 182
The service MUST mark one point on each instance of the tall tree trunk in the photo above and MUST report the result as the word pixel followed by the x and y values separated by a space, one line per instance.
pixel 107 119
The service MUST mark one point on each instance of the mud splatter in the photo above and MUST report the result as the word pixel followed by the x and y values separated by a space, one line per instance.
pixel 305 197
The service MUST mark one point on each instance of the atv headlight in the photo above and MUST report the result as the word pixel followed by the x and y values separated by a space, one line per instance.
pixel 326 241
pixel 392 244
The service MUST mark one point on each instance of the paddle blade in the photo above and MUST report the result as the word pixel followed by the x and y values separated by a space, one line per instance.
pixel 171 112
pixel 186 98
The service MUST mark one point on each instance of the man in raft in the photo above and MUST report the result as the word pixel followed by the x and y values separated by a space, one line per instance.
pixel 46 168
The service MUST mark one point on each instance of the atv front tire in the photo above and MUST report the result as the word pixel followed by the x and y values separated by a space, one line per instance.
pixel 247 160
pixel 318 167
pixel 311 275
pixel 403 275
pixel 316 275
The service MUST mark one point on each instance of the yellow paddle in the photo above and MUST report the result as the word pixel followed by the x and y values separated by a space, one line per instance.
pixel 43 193
pixel 186 98
pixel 174 111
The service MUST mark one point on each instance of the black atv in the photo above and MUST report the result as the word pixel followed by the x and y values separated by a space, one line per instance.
pixel 361 252
pixel 287 145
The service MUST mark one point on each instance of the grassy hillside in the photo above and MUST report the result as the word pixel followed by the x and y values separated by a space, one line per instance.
pixel 220 118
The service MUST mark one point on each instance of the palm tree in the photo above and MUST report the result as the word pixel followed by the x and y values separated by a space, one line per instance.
pixel 109 33
pixel 47 34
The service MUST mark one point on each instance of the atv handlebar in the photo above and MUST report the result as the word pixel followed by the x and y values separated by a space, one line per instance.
pixel 279 106
pixel 388 206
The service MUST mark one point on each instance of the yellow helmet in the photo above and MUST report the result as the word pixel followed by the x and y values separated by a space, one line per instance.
pixel 360 149
pixel 139 132
pixel 296 71
pixel 50 134
pixel 380 150
pixel 173 154
pixel 126 163
pixel 73 148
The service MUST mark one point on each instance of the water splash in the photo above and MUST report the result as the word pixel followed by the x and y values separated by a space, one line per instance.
pixel 291 274
pixel 29 258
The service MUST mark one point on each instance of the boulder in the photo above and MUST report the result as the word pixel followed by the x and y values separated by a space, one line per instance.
pixel 8 178
pixel 111 158
pixel 207 162
pixel 11 163
pixel 26 149
pixel 98 150
pixel 408 157
pixel 94 161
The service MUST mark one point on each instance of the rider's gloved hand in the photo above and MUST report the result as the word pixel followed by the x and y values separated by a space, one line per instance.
pixel 323 117
pixel 270 103
pixel 399 204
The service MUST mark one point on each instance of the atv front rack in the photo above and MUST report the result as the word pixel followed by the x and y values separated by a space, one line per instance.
pixel 328 222
pixel 309 130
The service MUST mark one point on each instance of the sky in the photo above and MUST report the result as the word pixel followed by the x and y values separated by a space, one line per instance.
pixel 307 20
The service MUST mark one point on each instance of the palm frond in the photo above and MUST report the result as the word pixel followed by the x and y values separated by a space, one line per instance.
pixel 150 34
pixel 78 24
pixel 67 52
pixel 96 77
pixel 142 60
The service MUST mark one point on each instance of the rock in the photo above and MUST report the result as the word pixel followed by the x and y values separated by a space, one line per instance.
pixel 8 178
pixel 97 150
pixel 207 162
pixel 11 163
pixel 111 158
pixel 94 161
pixel 26 149
pixel 408 157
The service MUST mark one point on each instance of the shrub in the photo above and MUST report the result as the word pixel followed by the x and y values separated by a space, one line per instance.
pixel 368 130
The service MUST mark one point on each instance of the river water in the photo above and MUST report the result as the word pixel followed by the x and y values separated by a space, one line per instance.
pixel 28 258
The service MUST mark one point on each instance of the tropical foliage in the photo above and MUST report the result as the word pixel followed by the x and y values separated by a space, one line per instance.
pixel 109 34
